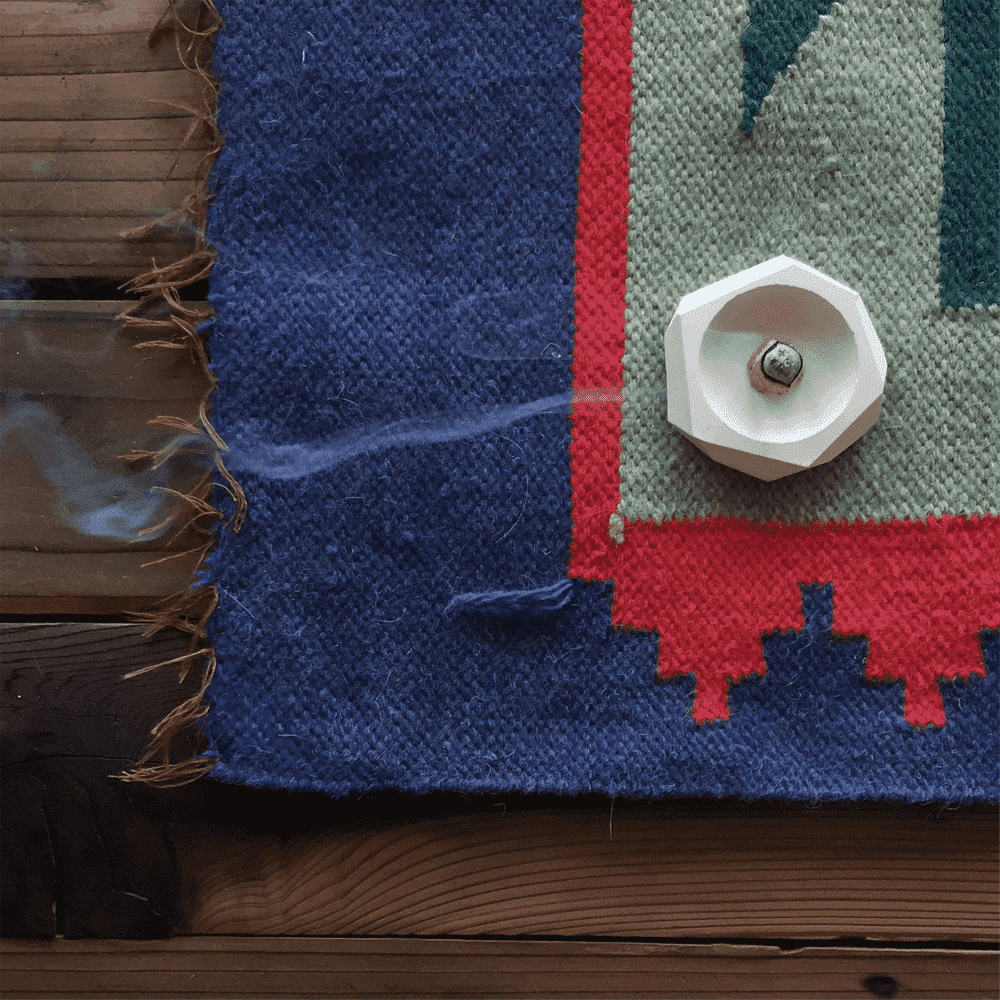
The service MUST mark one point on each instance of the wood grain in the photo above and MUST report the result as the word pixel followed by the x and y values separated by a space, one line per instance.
pixel 129 165
pixel 83 80
pixel 135 199
pixel 79 17
pixel 338 967
pixel 125 52
pixel 36 575
pixel 78 608
pixel 32 523
pixel 64 692
pixel 673 869
pixel 77 97
pixel 94 260
pixel 84 853
pixel 95 229
pixel 125 134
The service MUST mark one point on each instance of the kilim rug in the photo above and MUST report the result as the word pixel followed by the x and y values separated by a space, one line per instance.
pixel 477 556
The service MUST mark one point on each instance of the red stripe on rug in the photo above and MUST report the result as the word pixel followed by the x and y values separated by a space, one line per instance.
pixel 601 253
pixel 919 591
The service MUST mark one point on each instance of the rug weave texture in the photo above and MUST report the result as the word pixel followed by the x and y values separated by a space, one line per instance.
pixel 477 557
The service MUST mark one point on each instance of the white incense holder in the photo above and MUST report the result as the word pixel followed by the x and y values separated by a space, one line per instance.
pixel 773 370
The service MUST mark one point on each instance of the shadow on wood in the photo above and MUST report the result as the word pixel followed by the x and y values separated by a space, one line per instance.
pixel 84 854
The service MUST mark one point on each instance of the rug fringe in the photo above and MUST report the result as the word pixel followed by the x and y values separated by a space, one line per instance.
pixel 194 22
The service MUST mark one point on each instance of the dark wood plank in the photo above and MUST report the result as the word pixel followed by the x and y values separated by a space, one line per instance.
pixel 98 229
pixel 384 864
pixel 116 873
pixel 27 867
pixel 61 607
pixel 65 694
pixel 339 967
pixel 83 853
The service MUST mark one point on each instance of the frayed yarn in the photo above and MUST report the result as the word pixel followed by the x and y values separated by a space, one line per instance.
pixel 184 330
pixel 531 603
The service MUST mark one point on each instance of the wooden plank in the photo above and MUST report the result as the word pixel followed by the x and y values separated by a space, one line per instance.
pixel 42 607
pixel 671 869
pixel 65 693
pixel 105 260
pixel 128 52
pixel 91 228
pixel 78 17
pixel 97 394
pixel 143 200
pixel 71 454
pixel 109 166
pixel 32 520
pixel 80 244
pixel 62 171
pixel 103 95
pixel 91 574
pixel 338 967
pixel 27 866
pixel 71 722
pixel 78 348
pixel 126 134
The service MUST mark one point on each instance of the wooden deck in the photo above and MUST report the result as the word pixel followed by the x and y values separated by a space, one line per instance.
pixel 117 889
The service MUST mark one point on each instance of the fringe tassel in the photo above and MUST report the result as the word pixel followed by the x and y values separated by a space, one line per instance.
pixel 194 22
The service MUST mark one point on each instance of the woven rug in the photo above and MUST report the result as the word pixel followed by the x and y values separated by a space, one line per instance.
pixel 477 556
